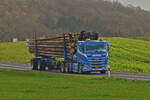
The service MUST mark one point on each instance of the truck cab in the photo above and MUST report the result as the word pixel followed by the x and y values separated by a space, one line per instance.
pixel 92 56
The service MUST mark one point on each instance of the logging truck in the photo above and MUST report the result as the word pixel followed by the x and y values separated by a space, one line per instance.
pixel 79 53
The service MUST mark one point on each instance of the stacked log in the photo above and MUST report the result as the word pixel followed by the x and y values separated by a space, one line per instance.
pixel 54 46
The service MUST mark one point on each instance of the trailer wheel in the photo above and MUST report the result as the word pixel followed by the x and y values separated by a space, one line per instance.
pixel 49 66
pixel 62 70
pixel 42 66
pixel 66 69
pixel 38 65
pixel 34 65
pixel 59 65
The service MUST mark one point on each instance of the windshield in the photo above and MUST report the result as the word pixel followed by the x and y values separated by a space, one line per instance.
pixel 95 48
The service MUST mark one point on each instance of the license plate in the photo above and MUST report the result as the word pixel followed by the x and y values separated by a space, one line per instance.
pixel 97 66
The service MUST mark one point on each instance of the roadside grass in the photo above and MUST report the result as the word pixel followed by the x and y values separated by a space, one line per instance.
pixel 22 85
pixel 129 55
pixel 126 55
pixel 14 52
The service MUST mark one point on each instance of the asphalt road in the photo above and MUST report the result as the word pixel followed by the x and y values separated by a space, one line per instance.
pixel 125 75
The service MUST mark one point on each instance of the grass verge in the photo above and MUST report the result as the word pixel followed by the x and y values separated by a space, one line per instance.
pixel 21 85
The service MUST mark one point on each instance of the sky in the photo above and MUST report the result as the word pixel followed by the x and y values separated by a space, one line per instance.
pixel 144 4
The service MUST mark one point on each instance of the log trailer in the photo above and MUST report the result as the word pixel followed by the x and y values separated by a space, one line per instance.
pixel 81 52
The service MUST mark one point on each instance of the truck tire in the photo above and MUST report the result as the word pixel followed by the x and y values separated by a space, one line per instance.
pixel 49 67
pixel 42 65
pixel 34 65
pixel 67 68
pixel 62 69
pixel 39 65
pixel 58 65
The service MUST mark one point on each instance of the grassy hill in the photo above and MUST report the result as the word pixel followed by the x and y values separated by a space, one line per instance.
pixel 14 52
pixel 127 55
pixel 20 85
pixel 21 18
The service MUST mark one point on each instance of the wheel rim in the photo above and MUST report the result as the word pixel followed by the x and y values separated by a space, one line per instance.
pixel 38 65
pixel 32 65
pixel 62 68
pixel 66 69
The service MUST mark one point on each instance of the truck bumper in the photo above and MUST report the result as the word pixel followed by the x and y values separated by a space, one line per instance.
pixel 95 69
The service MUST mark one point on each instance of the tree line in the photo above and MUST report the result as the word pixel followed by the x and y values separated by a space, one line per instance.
pixel 21 18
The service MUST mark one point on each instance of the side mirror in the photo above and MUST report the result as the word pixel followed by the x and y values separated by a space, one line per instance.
pixel 108 47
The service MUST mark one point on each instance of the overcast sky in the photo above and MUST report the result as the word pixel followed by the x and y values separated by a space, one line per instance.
pixel 145 4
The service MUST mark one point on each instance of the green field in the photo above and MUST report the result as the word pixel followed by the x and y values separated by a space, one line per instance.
pixel 21 85
pixel 145 38
pixel 127 55
pixel 14 52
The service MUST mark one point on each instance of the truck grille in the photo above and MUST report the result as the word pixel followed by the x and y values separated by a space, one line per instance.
pixel 96 61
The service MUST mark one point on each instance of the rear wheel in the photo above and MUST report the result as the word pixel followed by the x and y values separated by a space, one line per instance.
pixel 42 66
pixel 34 65
pixel 66 69
pixel 49 67
pixel 62 69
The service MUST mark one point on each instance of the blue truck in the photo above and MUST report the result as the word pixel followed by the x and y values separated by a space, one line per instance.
pixel 90 55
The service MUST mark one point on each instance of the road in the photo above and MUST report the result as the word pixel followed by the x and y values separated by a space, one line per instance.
pixel 125 75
